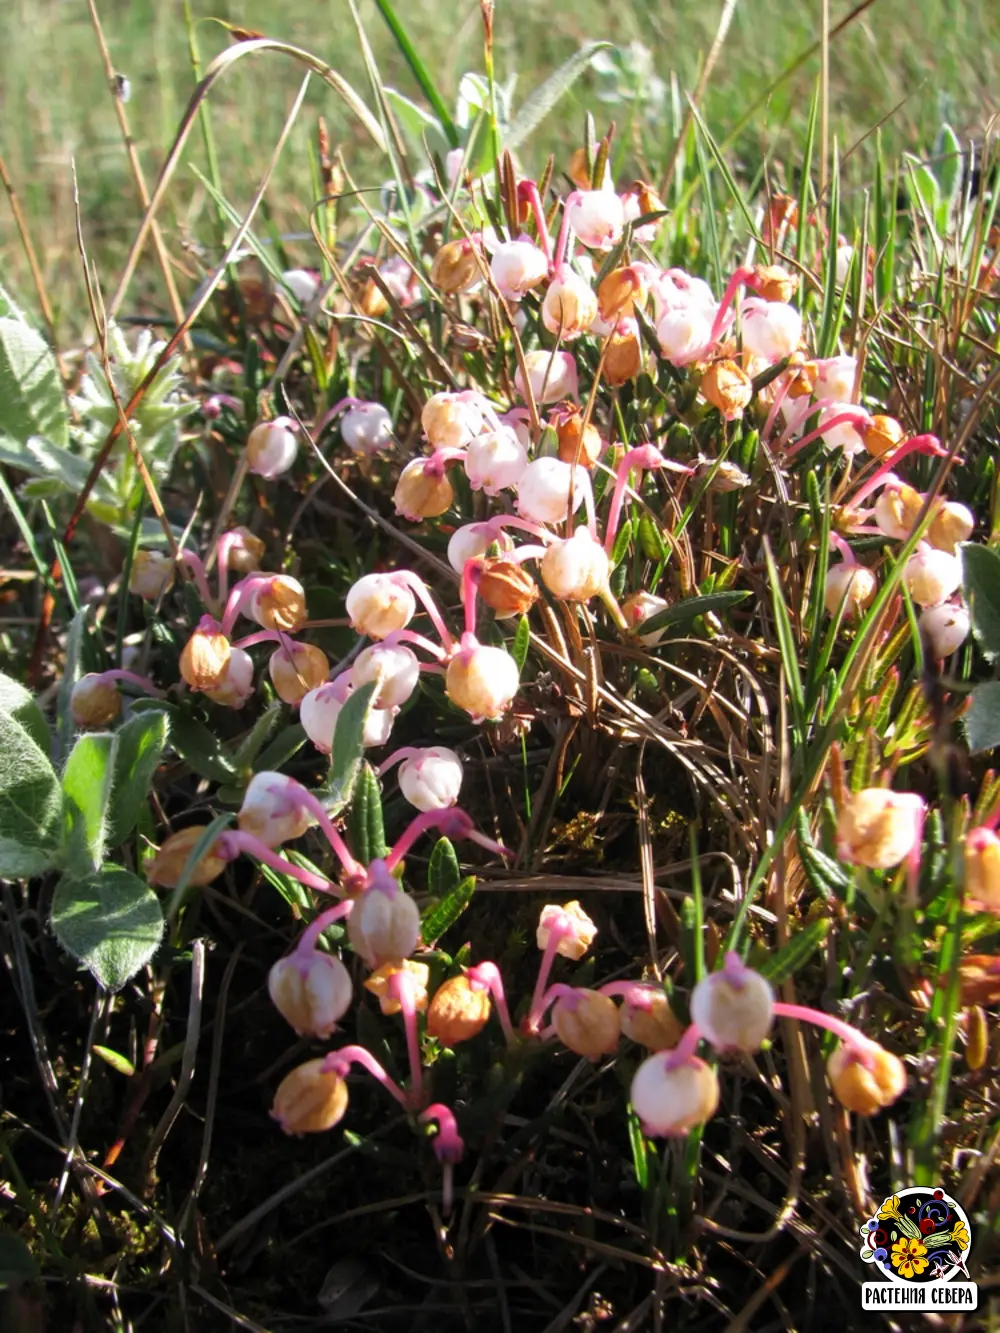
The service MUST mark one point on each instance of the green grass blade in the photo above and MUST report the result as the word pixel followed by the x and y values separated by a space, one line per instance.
pixel 419 71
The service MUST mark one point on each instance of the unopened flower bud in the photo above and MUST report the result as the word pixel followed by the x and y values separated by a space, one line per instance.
pixel 728 387
pixel 379 605
pixel 882 434
pixel 372 301
pixel 379 985
pixel 951 525
pixel 835 376
pixel 167 866
pixel 297 669
pixel 495 461
pixel 850 586
pixel 455 268
pixel 576 569
pixel 573 944
pixel 482 680
pixel 619 292
pixel 946 627
pixel 647 1018
pixel 303 285
pixel 383 928
pixel 366 428
pixel 94 701
pixel 394 666
pixel 279 604
pixel 772 330
pixel 423 491
pixel 639 608
pixel 733 1008
pixel 517 266
pixel 152 574
pixel 587 1023
pixel 570 305
pixel 310 1099
pixel 552 376
pixel 841 434
pixel 982 870
pixel 623 355
pixel 543 493
pixel 896 510
pixel 271 811
pixel 774 283
pixel 450 420
pixel 458 1012
pixel 576 445
pixel 244 551
pixel 863 1090
pixel 597 217
pixel 507 587
pixel 431 779
pixel 205 658
pixel 879 828
pixel 471 541
pixel 320 709
pixel 671 1101
pixel 272 448
pixel 312 991
pixel 236 685
pixel 931 575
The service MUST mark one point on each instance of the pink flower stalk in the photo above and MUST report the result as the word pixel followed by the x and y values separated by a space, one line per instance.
pixel 928 445
pixel 527 189
pixel 741 277
pixel 685 1048
pixel 212 407
pixel 407 579
pixel 856 417
pixel 233 842
pixel 241 594
pixel 646 458
pixel 862 1046
pixel 471 575
pixel 487 975
pixel 449 1148
pixel 451 823
pixel 341 1061
pixel 403 989
pixel 310 936
pixel 263 636
pixel 331 415
pixel 143 682
pixel 561 927
pixel 418 640
pixel 193 562
pixel 307 801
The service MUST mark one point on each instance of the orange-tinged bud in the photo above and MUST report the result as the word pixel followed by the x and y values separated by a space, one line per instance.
pixel 878 828
pixel 951 525
pixel 309 1099
pixel 205 658
pixel 570 305
pixel 648 1019
pixel 882 434
pixel 373 302
pixel 167 866
pixel 623 359
pixel 774 283
pixel 423 491
pixel 507 587
pixel 458 1012
pixel 896 510
pixel 455 268
pixel 378 984
pixel 801 379
pixel 152 574
pixel 279 604
pixel 587 1022
pixel 977 1035
pixel 244 555
pixel 982 870
pixel 574 440
pixel 646 198
pixel 574 944
pixel 728 387
pixel 297 669
pixel 618 293
pixel 94 701
pixel 864 1090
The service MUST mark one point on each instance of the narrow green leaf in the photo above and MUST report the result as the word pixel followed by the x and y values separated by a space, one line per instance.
pixel 31 805
pixel 110 921
pixel 690 607
pixel 439 918
pixel 86 784
pixel 218 825
pixel 347 749
pixel 140 743
pixel 786 641
pixel 420 72
pixel 622 541
pixel 18 703
pixel 116 1061
pixel 545 98
pixel 260 734
pixel 443 871
pixel 522 641
pixel 366 831
pixel 982 721
pixel 981 585
pixel 826 876
pixel 199 748
pixel 794 955
pixel 71 674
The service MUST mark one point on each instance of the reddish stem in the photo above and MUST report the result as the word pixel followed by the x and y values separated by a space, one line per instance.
pixel 235 841
pixel 488 975
pixel 311 934
pixel 558 931
pixel 848 1035
pixel 739 279
pixel 527 189
pixel 408 579
pixel 340 1062
pixel 194 563
pixel 402 987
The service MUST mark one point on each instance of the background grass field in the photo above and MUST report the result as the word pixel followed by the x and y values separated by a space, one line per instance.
pixel 908 63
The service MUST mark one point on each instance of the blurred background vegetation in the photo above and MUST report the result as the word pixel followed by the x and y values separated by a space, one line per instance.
pixel 907 64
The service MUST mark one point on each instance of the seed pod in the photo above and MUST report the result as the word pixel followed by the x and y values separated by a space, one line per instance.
pixel 205 658
pixel 587 1023
pixel 279 604
pixel 623 356
pixel 167 866
pixel 618 293
pixel 507 587
pixel 882 434
pixel 458 1012
pixel 423 491
pixel 310 1099
pixel 455 268
pixel 861 1089
pixel 297 669
pixel 94 700
pixel 568 423
pixel 152 574
pixel 774 283
pixel 727 387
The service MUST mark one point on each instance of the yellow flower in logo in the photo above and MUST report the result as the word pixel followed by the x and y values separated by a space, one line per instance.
pixel 908 1257
pixel 890 1209
pixel 961 1236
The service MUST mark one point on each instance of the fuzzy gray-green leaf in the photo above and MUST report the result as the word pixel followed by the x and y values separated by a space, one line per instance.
pixel 110 921
pixel 31 804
